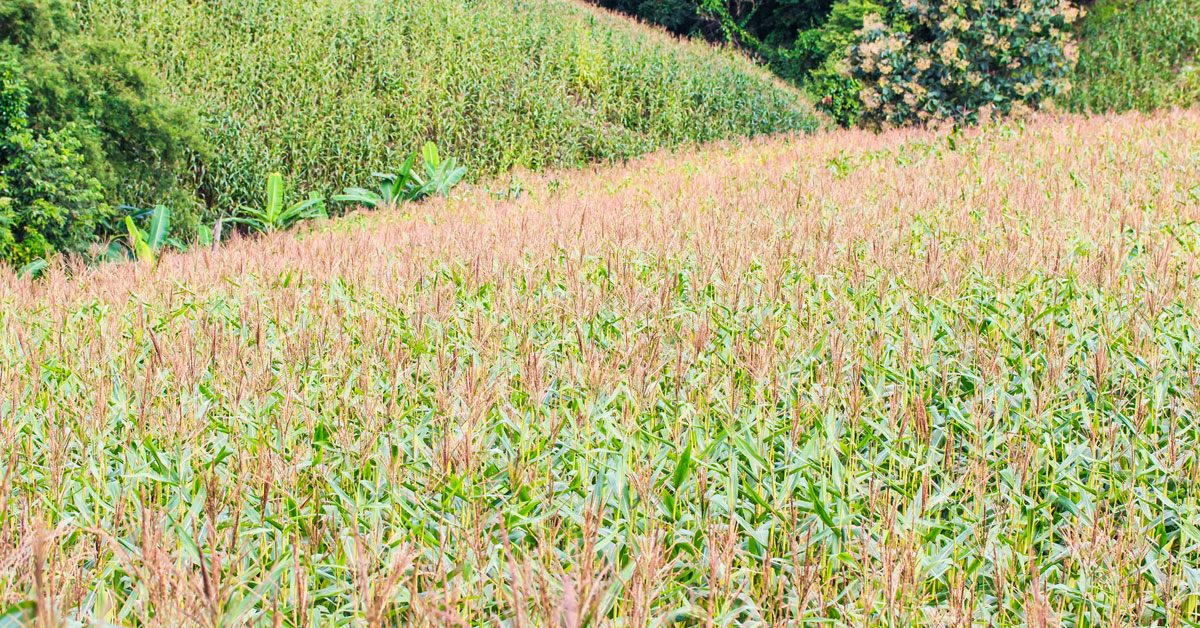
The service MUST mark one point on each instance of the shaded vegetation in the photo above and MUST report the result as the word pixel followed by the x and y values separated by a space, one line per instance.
pixel 1133 54
pixel 84 129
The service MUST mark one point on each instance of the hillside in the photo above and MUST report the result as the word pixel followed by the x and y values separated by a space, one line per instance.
pixel 896 379
pixel 1142 55
pixel 329 91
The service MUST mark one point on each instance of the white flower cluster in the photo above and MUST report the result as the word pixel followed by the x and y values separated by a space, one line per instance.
pixel 971 60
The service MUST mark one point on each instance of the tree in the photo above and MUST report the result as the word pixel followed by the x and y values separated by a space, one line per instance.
pixel 83 129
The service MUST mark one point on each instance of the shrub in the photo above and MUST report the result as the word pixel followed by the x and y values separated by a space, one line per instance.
pixel 83 128
pixel 806 54
pixel 963 59
pixel 837 95
pixel 51 201
pixel 846 19
pixel 14 97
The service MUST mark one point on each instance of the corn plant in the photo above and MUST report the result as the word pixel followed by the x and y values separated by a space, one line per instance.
pixel 1137 55
pixel 602 87
pixel 274 215
pixel 721 387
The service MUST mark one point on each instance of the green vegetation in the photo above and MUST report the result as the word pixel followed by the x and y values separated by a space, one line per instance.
pixel 274 215
pixel 803 41
pixel 816 59
pixel 1142 55
pixel 960 61
pixel 793 36
pixel 849 380
pixel 81 127
pixel 328 91
pixel 1133 54
pixel 441 175
pixel 1005 53
pixel 146 245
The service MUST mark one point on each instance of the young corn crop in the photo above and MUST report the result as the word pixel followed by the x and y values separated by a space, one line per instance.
pixel 328 91
pixel 905 379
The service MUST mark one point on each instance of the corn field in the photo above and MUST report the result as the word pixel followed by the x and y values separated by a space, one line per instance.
pixel 329 91
pixel 907 379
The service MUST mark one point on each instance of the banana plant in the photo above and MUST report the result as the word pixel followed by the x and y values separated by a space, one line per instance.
pixel 274 216
pixel 393 189
pixel 205 235
pixel 146 245
pixel 441 175
pixel 33 269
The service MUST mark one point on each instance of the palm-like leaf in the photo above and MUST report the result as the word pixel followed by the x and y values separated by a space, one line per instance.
pixel 360 196
pixel 33 269
pixel 441 175
pixel 274 197
pixel 160 226
pixel 274 216
pixel 309 209
pixel 137 242
pixel 255 219
pixel 429 153
pixel 404 178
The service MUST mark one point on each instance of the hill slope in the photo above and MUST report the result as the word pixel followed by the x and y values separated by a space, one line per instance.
pixel 876 380
pixel 1142 55
pixel 329 91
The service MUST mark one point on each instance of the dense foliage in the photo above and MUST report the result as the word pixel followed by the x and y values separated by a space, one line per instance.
pixel 963 59
pixel 326 93
pixel 329 91
pixel 1133 54
pixel 800 40
pixel 84 130
pixel 777 22
pixel 1142 54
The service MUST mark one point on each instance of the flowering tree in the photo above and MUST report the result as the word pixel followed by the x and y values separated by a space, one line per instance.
pixel 963 60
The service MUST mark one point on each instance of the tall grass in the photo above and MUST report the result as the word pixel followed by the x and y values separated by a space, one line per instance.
pixel 329 91
pixel 856 379
pixel 1142 55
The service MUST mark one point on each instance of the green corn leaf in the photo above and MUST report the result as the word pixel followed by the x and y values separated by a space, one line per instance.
pixel 682 467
